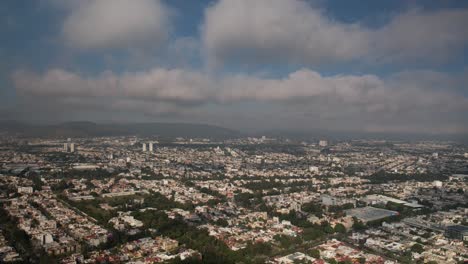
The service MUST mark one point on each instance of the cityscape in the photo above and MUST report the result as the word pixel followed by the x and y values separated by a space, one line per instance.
pixel 234 132
pixel 244 200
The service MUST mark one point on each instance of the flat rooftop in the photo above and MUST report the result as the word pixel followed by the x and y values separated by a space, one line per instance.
pixel 369 213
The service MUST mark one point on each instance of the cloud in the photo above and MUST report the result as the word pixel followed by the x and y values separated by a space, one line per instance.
pixel 292 31
pixel 419 35
pixel 299 85
pixel 101 24
pixel 303 98
pixel 278 29
pixel 158 84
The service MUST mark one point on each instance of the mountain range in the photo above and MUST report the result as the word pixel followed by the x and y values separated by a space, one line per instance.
pixel 90 129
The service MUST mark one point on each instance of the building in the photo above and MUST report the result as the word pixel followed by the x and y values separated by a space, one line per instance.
pixel 367 214
pixel 323 143
pixel 437 184
pixel 69 147
pixel 459 177
pixel 169 244
pixel 313 169
pixel 374 199
pixel 297 257
pixel 457 232
pixel 144 147
pixel 44 238
pixel 126 221
pixel 150 146
pixel 296 206
pixel 28 189
pixel 329 200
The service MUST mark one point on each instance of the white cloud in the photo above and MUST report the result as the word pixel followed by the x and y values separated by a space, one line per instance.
pixel 422 35
pixel 98 24
pixel 303 97
pixel 299 85
pixel 278 29
pixel 259 31
pixel 157 84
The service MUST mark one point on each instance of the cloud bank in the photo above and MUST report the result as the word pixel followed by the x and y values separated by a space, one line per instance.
pixel 262 31
pixel 339 98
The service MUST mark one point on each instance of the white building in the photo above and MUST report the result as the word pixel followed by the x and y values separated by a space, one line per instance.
pixel 44 238
pixel 28 189
pixel 144 147
pixel 437 184
pixel 125 221
pixel 313 169
pixel 323 143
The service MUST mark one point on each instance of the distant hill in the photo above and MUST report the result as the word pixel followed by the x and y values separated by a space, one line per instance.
pixel 90 129
pixel 318 134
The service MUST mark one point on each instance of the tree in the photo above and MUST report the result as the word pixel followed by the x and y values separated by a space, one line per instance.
pixel 418 248
pixel 358 224
pixel 222 222
pixel 328 229
pixel 312 233
pixel 315 253
pixel 312 208
pixel 340 228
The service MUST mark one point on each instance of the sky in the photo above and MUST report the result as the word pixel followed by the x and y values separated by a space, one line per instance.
pixel 393 66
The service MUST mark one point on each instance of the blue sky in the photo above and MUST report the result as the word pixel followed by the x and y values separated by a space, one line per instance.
pixel 371 66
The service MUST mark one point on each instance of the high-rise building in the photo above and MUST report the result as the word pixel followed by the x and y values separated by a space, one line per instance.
pixel 65 147
pixel 323 143
pixel 46 239
pixel 150 146
pixel 72 147
pixel 144 147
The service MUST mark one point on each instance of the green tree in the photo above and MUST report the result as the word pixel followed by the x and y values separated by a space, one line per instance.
pixel 418 248
pixel 340 228
pixel 358 224
pixel 315 253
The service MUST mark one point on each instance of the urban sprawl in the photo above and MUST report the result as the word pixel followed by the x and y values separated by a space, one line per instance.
pixel 248 200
